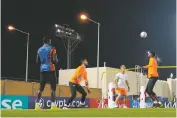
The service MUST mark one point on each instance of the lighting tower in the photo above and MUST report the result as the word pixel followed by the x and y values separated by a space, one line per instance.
pixel 70 39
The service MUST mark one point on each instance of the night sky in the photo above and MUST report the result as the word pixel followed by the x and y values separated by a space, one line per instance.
pixel 120 43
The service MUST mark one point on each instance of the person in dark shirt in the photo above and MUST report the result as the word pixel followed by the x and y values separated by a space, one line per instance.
pixel 47 57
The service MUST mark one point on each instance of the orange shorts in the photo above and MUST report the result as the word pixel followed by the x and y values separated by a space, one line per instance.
pixel 121 91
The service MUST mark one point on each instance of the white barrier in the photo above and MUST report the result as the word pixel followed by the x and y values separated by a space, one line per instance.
pixel 142 97
pixel 111 95
pixel 136 79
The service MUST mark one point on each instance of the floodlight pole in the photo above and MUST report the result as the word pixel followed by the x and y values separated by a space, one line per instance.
pixel 27 50
pixel 70 42
pixel 98 54
pixel 68 54
pixel 98 49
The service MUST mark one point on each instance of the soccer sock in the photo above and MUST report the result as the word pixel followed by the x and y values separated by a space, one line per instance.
pixel 37 103
pixel 39 96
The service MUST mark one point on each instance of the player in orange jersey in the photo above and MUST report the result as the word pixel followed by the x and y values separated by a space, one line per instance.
pixel 74 83
pixel 153 77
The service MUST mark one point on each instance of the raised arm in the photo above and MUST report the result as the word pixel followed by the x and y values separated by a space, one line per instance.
pixel 151 60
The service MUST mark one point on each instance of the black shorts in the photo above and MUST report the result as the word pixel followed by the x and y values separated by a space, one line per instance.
pixel 48 77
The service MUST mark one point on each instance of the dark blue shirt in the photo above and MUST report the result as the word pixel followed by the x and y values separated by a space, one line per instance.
pixel 45 54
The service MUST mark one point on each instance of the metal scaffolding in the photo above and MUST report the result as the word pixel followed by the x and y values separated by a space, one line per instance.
pixel 70 39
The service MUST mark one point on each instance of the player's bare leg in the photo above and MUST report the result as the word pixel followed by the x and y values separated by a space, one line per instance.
pixel 125 98
pixel 117 100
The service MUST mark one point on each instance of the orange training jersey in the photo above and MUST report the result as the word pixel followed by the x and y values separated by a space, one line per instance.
pixel 152 68
pixel 80 71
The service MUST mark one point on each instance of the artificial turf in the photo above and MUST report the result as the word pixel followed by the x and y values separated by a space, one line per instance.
pixel 129 112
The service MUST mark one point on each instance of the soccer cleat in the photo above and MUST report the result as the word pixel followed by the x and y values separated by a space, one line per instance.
pixel 65 107
pixel 82 105
pixel 124 106
pixel 116 106
pixel 159 105
pixel 37 107
pixel 54 108
pixel 154 105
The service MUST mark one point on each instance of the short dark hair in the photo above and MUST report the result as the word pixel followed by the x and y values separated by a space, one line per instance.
pixel 82 60
pixel 153 53
pixel 45 40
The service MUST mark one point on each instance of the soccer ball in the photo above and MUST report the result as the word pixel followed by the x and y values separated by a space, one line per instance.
pixel 143 34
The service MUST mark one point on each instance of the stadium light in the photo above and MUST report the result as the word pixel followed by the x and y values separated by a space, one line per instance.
pixel 13 28
pixel 56 25
pixel 84 17
pixel 70 39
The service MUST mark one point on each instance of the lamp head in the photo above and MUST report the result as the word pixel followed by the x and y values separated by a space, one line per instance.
pixel 83 17
pixel 11 28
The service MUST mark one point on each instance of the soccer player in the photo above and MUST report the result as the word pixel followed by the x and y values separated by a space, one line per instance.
pixel 47 57
pixel 74 83
pixel 153 77
pixel 121 82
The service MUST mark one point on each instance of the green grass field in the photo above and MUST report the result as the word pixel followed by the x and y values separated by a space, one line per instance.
pixel 153 112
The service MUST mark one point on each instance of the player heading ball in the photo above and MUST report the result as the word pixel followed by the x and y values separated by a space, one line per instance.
pixel 153 77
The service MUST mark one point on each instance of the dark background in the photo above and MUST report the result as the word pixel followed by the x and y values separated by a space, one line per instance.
pixel 120 43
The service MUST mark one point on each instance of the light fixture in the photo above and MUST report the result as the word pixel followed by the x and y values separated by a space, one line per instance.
pixel 58 30
pixel 56 25
pixel 11 28
pixel 83 17
pixel 70 39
